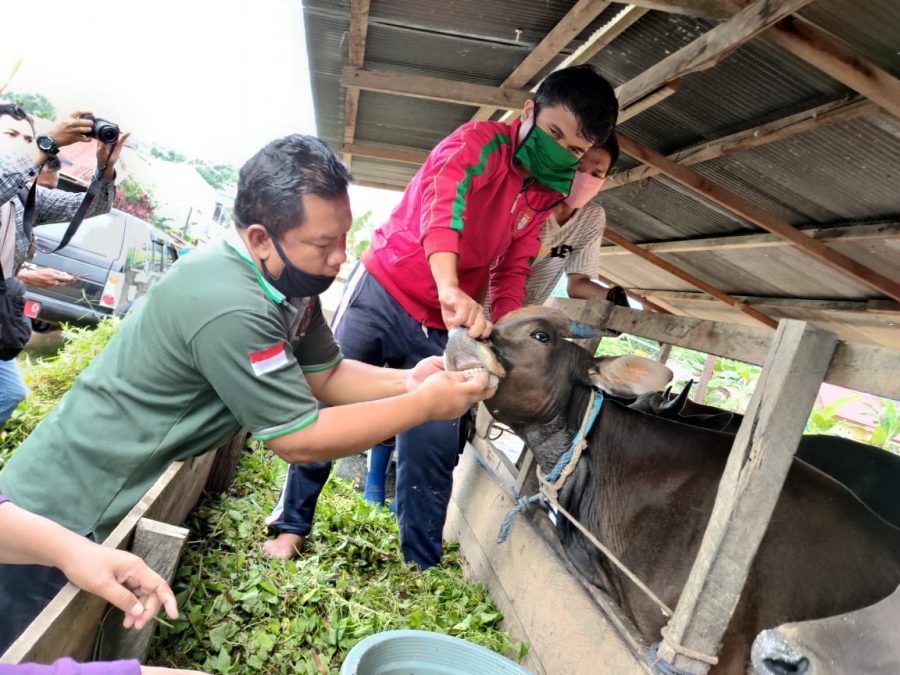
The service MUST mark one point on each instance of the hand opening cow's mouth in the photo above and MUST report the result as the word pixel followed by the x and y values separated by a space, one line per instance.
pixel 469 356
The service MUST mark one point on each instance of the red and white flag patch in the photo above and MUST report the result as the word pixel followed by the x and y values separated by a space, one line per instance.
pixel 269 359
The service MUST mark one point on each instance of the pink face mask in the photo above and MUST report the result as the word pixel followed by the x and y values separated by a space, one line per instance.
pixel 584 188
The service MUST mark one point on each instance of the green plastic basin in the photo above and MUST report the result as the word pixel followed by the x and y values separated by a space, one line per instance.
pixel 418 652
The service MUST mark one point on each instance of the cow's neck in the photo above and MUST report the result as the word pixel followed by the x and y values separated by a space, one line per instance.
pixel 549 440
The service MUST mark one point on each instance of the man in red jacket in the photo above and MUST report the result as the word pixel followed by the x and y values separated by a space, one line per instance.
pixel 466 228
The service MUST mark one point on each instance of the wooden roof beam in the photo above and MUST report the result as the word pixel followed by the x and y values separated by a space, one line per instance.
pixel 569 27
pixel 835 112
pixel 433 88
pixel 599 39
pixel 760 217
pixel 707 50
pixel 843 233
pixel 356 52
pixel 676 271
pixel 834 58
pixel 392 154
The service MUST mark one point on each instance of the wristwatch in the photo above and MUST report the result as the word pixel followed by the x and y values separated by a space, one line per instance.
pixel 47 144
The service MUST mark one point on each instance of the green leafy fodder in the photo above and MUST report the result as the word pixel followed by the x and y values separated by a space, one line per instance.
pixel 243 612
pixel 47 379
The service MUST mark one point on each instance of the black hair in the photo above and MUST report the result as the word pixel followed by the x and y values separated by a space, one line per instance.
pixel 53 163
pixel 16 112
pixel 587 94
pixel 273 181
pixel 611 146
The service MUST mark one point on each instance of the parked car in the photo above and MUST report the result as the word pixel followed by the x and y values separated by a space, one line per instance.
pixel 117 257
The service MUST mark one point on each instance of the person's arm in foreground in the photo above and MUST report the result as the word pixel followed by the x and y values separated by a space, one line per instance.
pixel 118 577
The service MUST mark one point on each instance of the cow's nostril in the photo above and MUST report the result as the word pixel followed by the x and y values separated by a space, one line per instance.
pixel 783 667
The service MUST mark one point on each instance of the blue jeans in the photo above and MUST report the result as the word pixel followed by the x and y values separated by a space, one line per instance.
pixel 370 326
pixel 12 389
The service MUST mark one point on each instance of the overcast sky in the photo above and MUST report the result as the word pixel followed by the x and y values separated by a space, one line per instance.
pixel 214 79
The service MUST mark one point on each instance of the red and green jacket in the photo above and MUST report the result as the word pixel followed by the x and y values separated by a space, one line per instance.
pixel 468 199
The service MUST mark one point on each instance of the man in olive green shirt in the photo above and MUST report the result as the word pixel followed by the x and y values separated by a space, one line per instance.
pixel 233 337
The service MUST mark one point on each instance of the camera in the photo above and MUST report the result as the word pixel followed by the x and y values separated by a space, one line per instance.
pixel 103 130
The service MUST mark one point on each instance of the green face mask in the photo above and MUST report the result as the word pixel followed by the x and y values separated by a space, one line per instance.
pixel 546 160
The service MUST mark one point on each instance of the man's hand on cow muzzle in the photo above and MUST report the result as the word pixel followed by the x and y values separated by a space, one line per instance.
pixel 448 395
pixel 460 309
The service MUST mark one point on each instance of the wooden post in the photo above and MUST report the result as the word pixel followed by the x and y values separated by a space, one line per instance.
pixel 757 467
pixel 664 350
pixel 160 545
pixel 705 377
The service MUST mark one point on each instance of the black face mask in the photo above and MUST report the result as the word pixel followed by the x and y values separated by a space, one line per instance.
pixel 294 282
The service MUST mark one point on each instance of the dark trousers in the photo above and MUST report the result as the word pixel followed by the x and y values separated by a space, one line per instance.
pixel 371 326
pixel 24 592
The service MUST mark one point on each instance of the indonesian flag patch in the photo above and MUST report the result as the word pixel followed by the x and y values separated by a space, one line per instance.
pixel 269 359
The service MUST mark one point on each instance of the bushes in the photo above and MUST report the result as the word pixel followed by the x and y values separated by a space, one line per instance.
pixel 48 379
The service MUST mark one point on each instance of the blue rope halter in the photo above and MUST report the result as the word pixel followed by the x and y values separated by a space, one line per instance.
pixel 522 503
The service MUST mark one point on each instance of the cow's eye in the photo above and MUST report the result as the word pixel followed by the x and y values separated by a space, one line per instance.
pixel 540 336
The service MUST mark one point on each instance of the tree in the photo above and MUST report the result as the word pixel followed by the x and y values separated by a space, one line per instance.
pixel 135 198
pixel 166 154
pixel 218 176
pixel 359 235
pixel 34 104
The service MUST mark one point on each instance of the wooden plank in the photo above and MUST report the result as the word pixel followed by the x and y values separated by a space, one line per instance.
pixel 351 107
pixel 844 233
pixel 709 49
pixel 869 368
pixel 380 152
pixel 743 343
pixel 676 271
pixel 597 40
pixel 835 112
pixel 603 36
pixel 834 58
pixel 705 9
pixel 871 306
pixel 567 29
pixel 757 467
pixel 581 641
pixel 68 624
pixel 380 185
pixel 356 53
pixel 433 88
pixel 228 456
pixel 767 221
pixel 160 545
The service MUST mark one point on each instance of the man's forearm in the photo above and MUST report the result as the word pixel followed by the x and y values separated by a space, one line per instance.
pixel 443 268
pixel 354 381
pixel 581 286
pixel 26 538
pixel 348 429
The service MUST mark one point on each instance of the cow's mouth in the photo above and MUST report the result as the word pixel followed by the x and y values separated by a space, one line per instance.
pixel 469 356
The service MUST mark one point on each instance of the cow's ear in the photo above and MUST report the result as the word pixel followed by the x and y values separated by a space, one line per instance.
pixel 629 375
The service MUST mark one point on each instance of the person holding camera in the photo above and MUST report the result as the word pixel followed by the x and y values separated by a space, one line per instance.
pixel 22 155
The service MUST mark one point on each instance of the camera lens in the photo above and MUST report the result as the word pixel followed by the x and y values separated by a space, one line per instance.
pixel 105 132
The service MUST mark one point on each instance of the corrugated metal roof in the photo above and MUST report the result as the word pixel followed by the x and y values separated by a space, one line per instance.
pixel 839 174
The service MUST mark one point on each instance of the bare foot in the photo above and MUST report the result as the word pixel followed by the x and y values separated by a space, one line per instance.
pixel 285 545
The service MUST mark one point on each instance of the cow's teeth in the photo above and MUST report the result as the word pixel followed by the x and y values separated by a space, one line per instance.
pixel 472 372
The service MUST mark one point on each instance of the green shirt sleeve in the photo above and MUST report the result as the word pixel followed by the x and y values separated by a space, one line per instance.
pixel 246 359
pixel 317 350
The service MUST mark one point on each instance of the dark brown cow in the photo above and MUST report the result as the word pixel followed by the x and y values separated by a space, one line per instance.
pixel 646 485
pixel 872 474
